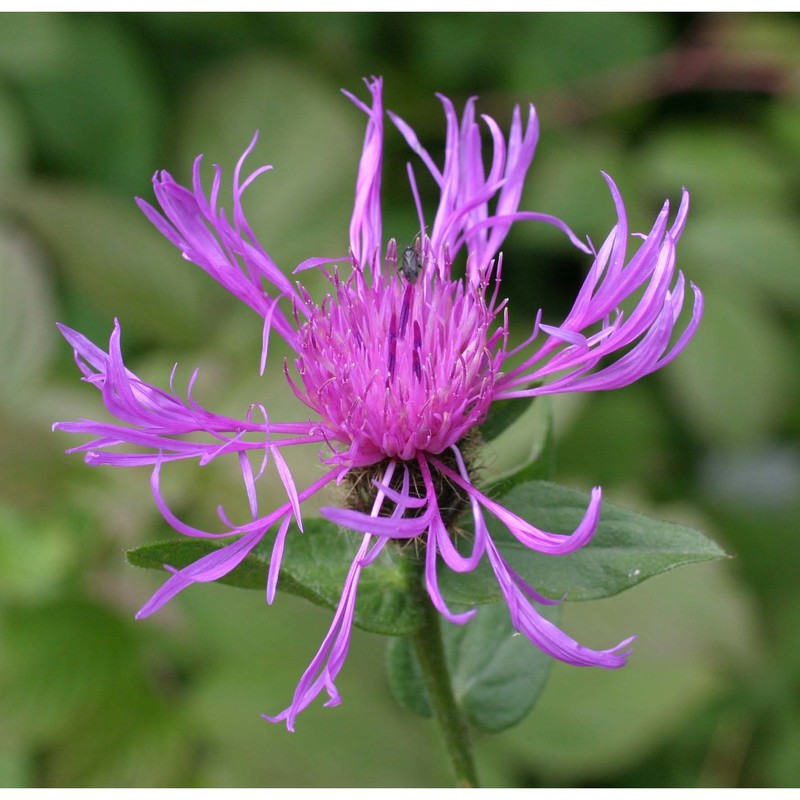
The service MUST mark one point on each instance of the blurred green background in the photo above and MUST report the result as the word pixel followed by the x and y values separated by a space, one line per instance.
pixel 92 105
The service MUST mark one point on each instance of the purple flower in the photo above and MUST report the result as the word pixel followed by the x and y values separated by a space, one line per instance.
pixel 395 368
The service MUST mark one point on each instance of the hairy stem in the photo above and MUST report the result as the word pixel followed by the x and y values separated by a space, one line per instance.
pixel 429 649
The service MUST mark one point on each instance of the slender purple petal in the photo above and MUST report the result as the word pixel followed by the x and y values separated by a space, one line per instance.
pixel 639 340
pixel 432 583
pixel 383 527
pixel 276 559
pixel 536 539
pixel 543 633
pixel 365 225
pixel 208 568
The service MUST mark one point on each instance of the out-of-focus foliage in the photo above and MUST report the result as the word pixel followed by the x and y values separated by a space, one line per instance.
pixel 92 105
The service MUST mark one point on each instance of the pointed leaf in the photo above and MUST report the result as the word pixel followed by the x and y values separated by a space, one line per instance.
pixel 405 677
pixel 497 675
pixel 628 548
pixel 314 566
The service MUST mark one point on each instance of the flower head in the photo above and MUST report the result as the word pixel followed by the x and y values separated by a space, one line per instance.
pixel 394 369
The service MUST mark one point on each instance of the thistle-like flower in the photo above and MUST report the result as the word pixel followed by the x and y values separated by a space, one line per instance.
pixel 394 369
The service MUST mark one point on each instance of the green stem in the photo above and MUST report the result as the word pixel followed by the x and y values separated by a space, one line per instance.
pixel 429 649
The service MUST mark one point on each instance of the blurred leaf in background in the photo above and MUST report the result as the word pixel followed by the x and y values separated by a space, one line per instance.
pixel 92 105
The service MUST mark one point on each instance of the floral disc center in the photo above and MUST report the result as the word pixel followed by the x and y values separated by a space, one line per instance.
pixel 397 367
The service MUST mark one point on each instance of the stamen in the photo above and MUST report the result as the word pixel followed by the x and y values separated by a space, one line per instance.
pixel 392 361
pixel 391 255
pixel 406 309
pixel 392 345
pixel 324 385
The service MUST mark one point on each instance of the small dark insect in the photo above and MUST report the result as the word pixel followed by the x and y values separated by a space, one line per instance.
pixel 411 265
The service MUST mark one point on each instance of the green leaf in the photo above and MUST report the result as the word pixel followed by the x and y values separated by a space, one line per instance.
pixel 179 553
pixel 592 724
pixel 497 675
pixel 405 677
pixel 627 549
pixel 502 415
pixel 314 566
